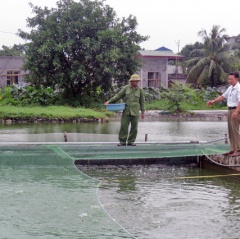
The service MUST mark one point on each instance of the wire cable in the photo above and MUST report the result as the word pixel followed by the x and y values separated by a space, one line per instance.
pixel 220 164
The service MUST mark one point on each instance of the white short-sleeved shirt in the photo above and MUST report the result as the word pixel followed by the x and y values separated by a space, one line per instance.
pixel 232 94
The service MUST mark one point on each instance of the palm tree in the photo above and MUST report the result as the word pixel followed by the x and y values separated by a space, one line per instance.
pixel 236 46
pixel 212 61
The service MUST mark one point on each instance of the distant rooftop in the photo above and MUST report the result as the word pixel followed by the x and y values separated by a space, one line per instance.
pixel 159 54
pixel 11 62
pixel 163 48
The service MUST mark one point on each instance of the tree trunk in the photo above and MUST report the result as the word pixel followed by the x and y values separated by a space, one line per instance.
pixel 212 79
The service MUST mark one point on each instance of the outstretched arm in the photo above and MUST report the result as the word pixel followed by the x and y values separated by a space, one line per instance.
pixel 218 99
pixel 117 97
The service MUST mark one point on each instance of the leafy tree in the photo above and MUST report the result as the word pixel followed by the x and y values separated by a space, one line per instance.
pixel 213 61
pixel 188 50
pixel 15 50
pixel 80 47
pixel 177 95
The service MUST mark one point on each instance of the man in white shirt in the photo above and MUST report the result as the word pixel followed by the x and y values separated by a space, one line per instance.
pixel 232 94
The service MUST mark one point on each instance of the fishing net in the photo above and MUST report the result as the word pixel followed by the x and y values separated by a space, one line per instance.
pixel 44 195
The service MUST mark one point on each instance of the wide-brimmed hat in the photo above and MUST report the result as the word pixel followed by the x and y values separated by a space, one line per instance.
pixel 135 77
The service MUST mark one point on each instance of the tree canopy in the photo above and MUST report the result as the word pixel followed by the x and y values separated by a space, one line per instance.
pixel 188 50
pixel 211 63
pixel 80 47
pixel 15 50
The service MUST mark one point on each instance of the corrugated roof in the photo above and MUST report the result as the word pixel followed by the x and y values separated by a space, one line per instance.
pixel 11 63
pixel 160 54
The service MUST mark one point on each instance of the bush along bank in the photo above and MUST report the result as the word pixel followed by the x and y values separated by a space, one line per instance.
pixel 51 113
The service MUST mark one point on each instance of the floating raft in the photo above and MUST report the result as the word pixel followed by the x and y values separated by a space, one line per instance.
pixel 225 161
pixel 88 153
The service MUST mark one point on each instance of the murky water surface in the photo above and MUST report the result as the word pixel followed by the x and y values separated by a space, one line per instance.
pixel 98 132
pixel 152 203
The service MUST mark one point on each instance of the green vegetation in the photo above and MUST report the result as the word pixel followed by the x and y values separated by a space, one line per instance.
pixel 50 113
pixel 78 48
pixel 15 50
pixel 32 104
pixel 165 105
pixel 177 95
pixel 212 61
pixel 181 98
pixel 189 52
pixel 29 96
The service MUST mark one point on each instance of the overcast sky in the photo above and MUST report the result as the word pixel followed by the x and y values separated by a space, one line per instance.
pixel 169 23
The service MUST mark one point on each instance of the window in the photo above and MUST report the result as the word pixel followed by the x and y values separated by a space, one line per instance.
pixel 153 79
pixel 150 75
pixel 153 75
pixel 12 77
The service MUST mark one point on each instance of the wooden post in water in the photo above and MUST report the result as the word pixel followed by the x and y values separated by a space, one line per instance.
pixel 65 136
pixel 226 139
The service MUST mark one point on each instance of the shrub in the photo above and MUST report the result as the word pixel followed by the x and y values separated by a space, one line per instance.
pixel 29 96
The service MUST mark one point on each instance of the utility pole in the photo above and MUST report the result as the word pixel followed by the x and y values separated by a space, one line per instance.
pixel 178 44
pixel 176 69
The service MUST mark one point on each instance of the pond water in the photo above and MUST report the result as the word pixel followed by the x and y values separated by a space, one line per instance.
pixel 108 132
pixel 149 202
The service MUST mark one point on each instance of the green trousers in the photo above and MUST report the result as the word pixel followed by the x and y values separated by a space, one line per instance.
pixel 124 136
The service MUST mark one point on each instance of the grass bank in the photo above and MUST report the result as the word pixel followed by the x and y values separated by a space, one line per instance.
pixel 65 113
pixel 50 113
pixel 186 106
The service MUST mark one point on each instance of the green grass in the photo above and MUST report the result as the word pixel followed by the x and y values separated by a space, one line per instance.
pixel 186 106
pixel 70 113
pixel 50 112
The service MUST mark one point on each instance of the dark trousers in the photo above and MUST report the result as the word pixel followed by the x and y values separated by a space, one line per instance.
pixel 124 136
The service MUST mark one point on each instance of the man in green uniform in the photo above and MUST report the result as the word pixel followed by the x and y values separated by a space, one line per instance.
pixel 134 98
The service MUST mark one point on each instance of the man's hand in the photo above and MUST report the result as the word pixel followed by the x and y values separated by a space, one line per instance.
pixel 235 115
pixel 211 102
pixel 106 103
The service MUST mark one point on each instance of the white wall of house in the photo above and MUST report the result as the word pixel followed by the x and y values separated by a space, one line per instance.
pixel 171 69
pixel 11 72
pixel 230 42
pixel 12 77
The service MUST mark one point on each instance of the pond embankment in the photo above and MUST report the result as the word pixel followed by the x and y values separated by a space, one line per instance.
pixel 150 115
pixel 194 115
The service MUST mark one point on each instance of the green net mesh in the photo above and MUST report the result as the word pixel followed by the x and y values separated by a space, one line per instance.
pixel 97 152
pixel 44 195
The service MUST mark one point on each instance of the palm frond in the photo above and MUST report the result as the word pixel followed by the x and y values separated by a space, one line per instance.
pixel 199 52
pixel 203 76
pixel 203 34
pixel 212 66
pixel 221 73
pixel 197 69
pixel 193 61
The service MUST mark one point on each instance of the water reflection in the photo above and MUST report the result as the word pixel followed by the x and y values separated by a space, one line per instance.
pixel 97 132
pixel 151 203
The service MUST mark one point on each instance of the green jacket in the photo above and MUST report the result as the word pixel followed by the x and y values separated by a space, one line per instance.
pixel 134 99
